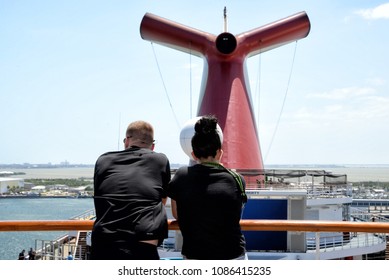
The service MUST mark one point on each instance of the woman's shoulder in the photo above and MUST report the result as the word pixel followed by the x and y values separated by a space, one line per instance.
pixel 190 170
pixel 182 170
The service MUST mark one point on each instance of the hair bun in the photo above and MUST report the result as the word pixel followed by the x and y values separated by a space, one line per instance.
pixel 206 125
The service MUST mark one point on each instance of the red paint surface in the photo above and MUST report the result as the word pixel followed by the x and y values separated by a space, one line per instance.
pixel 225 92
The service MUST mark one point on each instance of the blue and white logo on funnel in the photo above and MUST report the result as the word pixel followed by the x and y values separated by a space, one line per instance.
pixel 187 133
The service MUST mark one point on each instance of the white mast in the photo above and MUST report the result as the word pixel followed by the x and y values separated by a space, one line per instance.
pixel 225 19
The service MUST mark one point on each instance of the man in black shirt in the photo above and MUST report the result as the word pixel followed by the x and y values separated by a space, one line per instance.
pixel 129 195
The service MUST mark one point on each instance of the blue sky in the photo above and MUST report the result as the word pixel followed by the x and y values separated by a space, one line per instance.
pixel 74 73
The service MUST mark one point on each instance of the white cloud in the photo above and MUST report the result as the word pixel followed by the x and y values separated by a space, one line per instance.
pixel 376 81
pixel 344 93
pixel 377 107
pixel 379 12
pixel 343 106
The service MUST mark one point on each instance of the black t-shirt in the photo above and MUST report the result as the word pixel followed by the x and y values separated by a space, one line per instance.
pixel 209 205
pixel 128 189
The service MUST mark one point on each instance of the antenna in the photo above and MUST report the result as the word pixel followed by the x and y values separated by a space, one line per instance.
pixel 225 19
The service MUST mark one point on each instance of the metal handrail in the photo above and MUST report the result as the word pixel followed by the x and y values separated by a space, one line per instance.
pixel 246 225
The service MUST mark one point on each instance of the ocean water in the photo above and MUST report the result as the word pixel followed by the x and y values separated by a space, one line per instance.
pixel 363 173
pixel 11 243
pixel 53 173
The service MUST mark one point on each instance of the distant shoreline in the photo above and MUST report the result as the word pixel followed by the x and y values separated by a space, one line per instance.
pixel 38 166
pixel 88 165
pixel 46 196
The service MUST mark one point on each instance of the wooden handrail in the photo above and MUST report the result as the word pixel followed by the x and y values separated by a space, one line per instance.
pixel 249 225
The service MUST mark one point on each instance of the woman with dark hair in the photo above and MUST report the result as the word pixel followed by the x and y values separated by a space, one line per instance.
pixel 207 200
